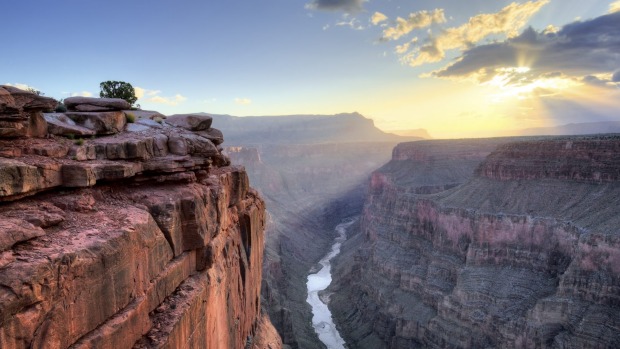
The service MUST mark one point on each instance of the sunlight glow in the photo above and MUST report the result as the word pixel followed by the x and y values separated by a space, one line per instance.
pixel 515 82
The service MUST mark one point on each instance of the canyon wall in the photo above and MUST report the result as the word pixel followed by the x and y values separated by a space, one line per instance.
pixel 519 249
pixel 308 189
pixel 125 235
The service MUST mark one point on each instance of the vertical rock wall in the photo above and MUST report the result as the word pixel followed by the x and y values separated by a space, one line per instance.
pixel 525 254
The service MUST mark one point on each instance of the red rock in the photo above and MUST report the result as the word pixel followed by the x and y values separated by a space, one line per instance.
pixel 102 123
pixel 13 231
pixel 192 122
pixel 108 250
pixel 91 104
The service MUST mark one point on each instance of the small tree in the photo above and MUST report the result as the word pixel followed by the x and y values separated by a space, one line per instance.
pixel 118 89
pixel 35 91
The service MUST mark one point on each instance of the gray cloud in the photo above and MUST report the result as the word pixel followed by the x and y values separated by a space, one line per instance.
pixel 616 77
pixel 336 5
pixel 577 50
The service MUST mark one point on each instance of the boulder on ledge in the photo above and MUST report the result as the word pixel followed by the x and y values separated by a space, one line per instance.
pixel 62 125
pixel 192 122
pixel 21 113
pixel 91 104
pixel 103 123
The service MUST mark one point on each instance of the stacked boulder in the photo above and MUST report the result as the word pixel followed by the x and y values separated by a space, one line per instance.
pixel 89 116
pixel 101 140
pixel 21 113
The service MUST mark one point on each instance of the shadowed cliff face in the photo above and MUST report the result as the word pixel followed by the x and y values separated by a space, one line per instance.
pixel 523 254
pixel 145 238
pixel 308 189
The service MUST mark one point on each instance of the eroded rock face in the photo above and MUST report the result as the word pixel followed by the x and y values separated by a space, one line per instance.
pixel 114 243
pixel 21 113
pixel 525 254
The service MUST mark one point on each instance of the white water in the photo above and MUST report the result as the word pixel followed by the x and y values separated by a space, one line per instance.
pixel 321 316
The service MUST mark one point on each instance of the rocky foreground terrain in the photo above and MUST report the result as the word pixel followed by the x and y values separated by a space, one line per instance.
pixel 119 229
pixel 457 249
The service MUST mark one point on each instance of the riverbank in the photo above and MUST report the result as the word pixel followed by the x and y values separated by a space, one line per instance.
pixel 321 316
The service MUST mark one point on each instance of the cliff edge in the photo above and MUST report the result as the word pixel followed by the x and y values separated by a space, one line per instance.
pixel 119 229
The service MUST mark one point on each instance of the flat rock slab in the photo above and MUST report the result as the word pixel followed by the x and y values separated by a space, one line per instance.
pixel 62 125
pixel 13 231
pixel 17 177
pixel 192 122
pixel 214 135
pixel 90 104
pixel 101 122
pixel 145 114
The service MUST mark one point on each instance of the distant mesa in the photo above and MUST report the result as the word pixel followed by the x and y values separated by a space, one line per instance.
pixel 586 128
pixel 303 129
pixel 417 132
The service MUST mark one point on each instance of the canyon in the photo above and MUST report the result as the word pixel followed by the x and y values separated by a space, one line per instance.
pixel 308 190
pixel 486 243
pixel 119 231
pixel 128 229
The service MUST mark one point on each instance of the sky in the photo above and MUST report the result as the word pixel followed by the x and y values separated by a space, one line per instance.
pixel 458 68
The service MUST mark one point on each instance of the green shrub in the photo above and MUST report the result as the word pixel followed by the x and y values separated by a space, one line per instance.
pixel 60 108
pixel 130 118
pixel 118 89
pixel 79 141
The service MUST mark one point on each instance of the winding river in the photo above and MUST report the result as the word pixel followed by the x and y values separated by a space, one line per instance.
pixel 321 316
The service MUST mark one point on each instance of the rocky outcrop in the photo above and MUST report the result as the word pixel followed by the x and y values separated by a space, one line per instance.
pixel 523 254
pixel 90 104
pixel 580 159
pixel 21 113
pixel 136 240
pixel 192 122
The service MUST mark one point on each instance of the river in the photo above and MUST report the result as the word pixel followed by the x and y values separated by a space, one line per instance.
pixel 321 316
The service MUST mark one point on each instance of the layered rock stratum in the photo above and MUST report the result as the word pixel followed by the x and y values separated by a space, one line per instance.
pixel 141 235
pixel 457 249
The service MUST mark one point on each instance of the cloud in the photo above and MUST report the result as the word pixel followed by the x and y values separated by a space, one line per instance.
pixel 416 20
pixel 508 21
pixel 243 101
pixel 336 5
pixel 146 95
pixel 353 23
pixel 577 50
pixel 141 92
pixel 614 6
pixel 377 18
pixel 81 94
pixel 616 77
pixel 22 86
pixel 167 100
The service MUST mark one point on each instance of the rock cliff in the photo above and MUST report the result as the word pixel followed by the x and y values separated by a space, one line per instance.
pixel 139 236
pixel 522 252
